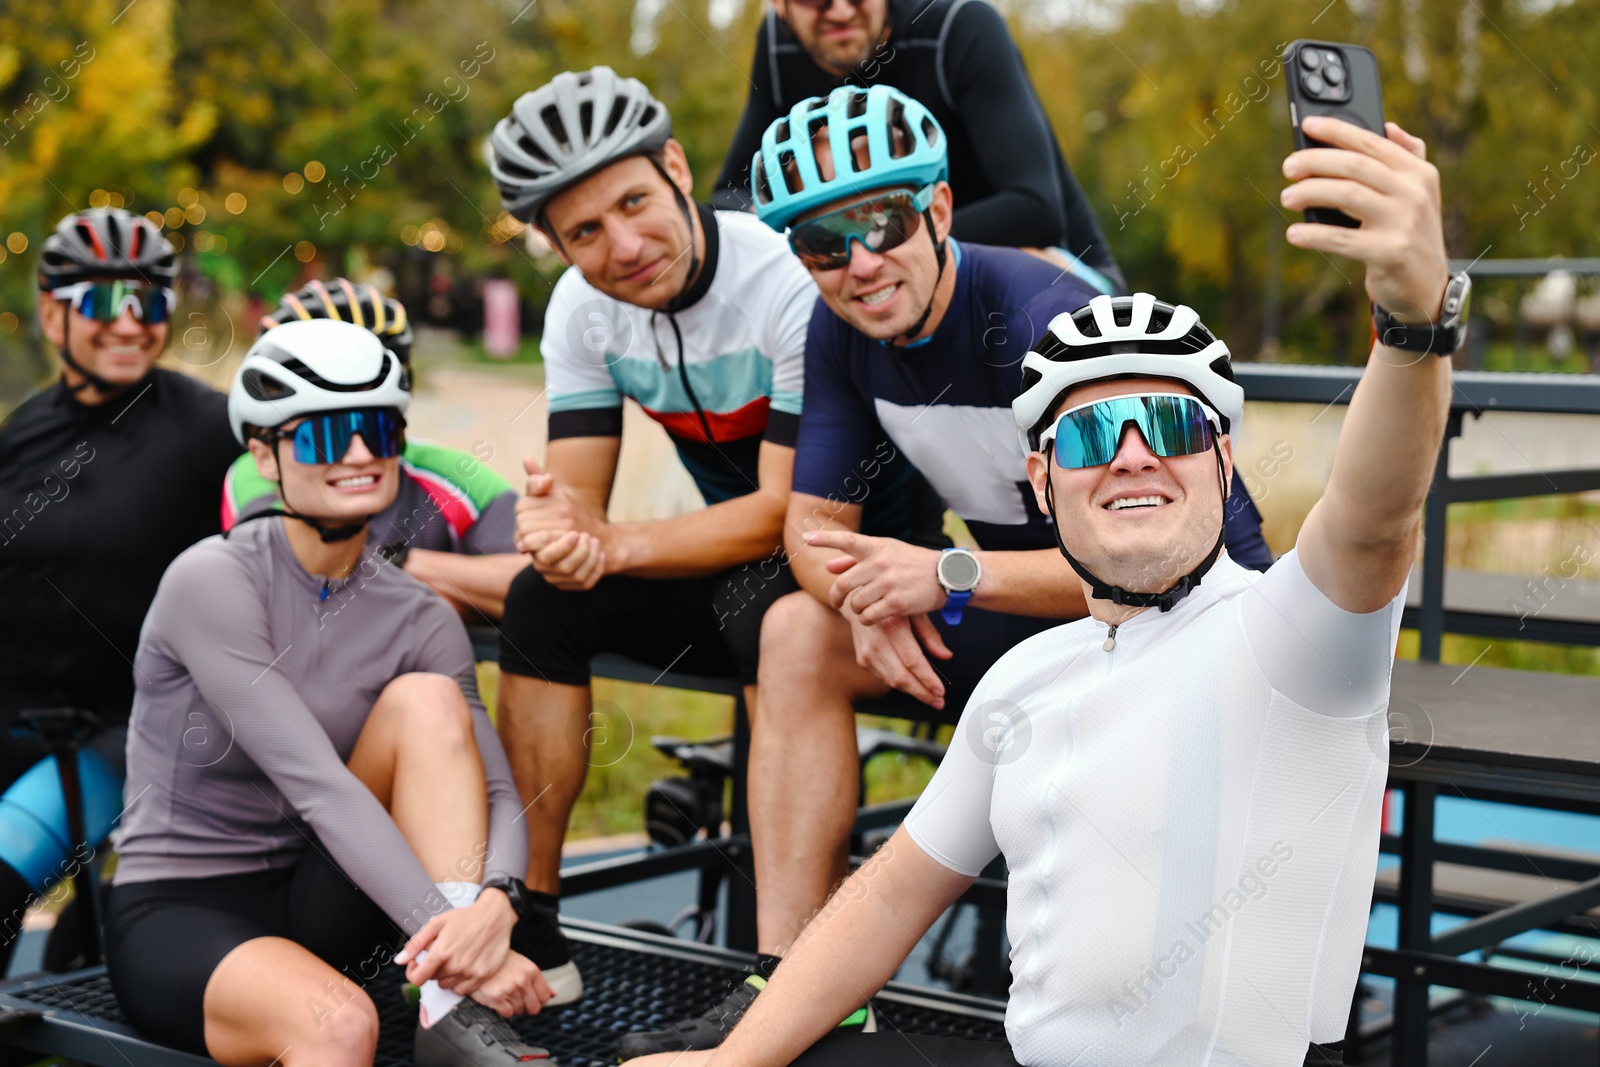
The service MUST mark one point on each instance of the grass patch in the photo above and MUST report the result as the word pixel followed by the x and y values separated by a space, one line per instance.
pixel 1517 655
pixel 472 352
pixel 623 763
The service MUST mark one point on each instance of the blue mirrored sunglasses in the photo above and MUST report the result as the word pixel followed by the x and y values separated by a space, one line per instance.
pixel 1172 425
pixel 326 438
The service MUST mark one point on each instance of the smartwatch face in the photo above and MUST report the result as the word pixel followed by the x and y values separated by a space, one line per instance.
pixel 959 571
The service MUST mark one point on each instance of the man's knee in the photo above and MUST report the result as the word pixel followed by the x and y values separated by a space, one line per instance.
pixel 805 645
pixel 545 632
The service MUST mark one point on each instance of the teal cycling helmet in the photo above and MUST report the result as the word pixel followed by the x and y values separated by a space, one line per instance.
pixel 919 159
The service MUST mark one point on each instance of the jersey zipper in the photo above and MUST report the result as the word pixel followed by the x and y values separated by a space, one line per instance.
pixel 1111 637
pixel 683 376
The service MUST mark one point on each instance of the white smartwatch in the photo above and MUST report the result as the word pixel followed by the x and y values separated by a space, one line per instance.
pixel 958 572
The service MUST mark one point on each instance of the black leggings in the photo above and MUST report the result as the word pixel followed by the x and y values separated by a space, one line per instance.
pixel 914 1050
pixel 165 938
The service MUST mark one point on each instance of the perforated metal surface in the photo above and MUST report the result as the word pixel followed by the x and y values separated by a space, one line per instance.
pixel 632 984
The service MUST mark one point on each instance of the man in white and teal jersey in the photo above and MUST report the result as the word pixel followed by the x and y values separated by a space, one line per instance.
pixel 453 522
pixel 700 317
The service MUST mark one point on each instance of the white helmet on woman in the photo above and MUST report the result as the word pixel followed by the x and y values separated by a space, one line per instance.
pixel 309 366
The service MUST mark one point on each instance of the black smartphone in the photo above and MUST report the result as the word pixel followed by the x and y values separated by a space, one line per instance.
pixel 1337 80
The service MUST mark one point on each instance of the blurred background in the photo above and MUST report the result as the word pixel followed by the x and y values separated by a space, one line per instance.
pixel 281 140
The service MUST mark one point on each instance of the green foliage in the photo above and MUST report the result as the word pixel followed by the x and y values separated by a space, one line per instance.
pixel 1171 112
pixel 1186 177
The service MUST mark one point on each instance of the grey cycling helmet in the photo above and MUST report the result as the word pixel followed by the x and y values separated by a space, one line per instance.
pixel 562 132
pixel 106 243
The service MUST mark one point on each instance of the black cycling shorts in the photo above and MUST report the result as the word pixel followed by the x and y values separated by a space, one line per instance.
pixel 165 938
pixel 708 626
pixel 914 1050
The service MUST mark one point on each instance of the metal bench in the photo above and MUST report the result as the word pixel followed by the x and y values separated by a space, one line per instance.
pixel 1483 733
pixel 635 982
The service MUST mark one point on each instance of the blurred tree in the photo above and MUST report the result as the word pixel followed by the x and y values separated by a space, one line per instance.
pixel 279 138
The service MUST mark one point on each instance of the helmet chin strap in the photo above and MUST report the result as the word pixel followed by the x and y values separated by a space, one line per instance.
pixel 1102 590
pixel 939 251
pixel 684 206
pixel 90 378
pixel 329 534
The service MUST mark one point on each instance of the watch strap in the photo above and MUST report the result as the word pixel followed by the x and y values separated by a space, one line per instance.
pixel 953 605
pixel 1442 338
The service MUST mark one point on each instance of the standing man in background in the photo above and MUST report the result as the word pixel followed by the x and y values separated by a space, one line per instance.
pixel 956 57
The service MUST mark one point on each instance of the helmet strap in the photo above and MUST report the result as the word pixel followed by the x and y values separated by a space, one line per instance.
pixel 677 303
pixel 90 378
pixel 329 534
pixel 939 252
pixel 1102 590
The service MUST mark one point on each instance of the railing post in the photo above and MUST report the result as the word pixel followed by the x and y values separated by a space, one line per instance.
pixel 741 880
pixel 1435 514
pixel 1409 1044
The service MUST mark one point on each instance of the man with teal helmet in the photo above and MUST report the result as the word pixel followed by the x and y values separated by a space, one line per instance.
pixel 904 146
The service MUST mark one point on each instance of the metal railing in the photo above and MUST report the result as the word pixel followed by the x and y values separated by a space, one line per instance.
pixel 1474 393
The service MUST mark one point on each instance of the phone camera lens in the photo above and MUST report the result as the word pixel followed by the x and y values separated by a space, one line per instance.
pixel 1314 84
pixel 1310 58
pixel 1334 74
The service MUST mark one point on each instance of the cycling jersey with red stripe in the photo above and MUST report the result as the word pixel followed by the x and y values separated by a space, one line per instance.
pixel 721 373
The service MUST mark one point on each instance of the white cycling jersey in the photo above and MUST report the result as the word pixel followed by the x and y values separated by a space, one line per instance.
pixel 1190 819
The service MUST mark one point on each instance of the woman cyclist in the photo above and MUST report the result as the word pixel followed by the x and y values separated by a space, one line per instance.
pixel 312 778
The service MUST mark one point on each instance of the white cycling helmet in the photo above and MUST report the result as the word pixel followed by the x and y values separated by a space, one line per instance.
pixel 1134 336
pixel 309 366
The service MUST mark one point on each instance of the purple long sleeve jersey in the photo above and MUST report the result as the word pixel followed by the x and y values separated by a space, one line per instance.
pixel 251 690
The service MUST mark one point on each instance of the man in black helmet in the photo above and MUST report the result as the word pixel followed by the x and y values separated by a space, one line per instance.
pixel 105 477
pixel 1010 178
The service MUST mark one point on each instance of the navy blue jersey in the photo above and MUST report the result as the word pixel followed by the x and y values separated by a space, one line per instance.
pixel 945 403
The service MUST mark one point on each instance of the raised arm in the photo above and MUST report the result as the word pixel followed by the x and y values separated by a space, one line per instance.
pixel 1359 541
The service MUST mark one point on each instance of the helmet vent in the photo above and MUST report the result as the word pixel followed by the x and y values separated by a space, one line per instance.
pixel 558 129
pixel 781 133
pixel 586 119
pixel 297 367
pixel 857 106
pixel 901 140
pixel 534 151
pixel 790 170
pixel 1122 313
pixel 763 187
pixel 260 387
pixel 647 117
pixel 1160 318
pixel 618 107
pixel 930 132
pixel 1086 324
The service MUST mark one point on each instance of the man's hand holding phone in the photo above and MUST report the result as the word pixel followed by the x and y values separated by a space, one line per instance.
pixel 1389 186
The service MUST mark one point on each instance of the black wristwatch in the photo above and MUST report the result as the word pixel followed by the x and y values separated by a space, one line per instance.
pixel 1442 338
pixel 514 890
